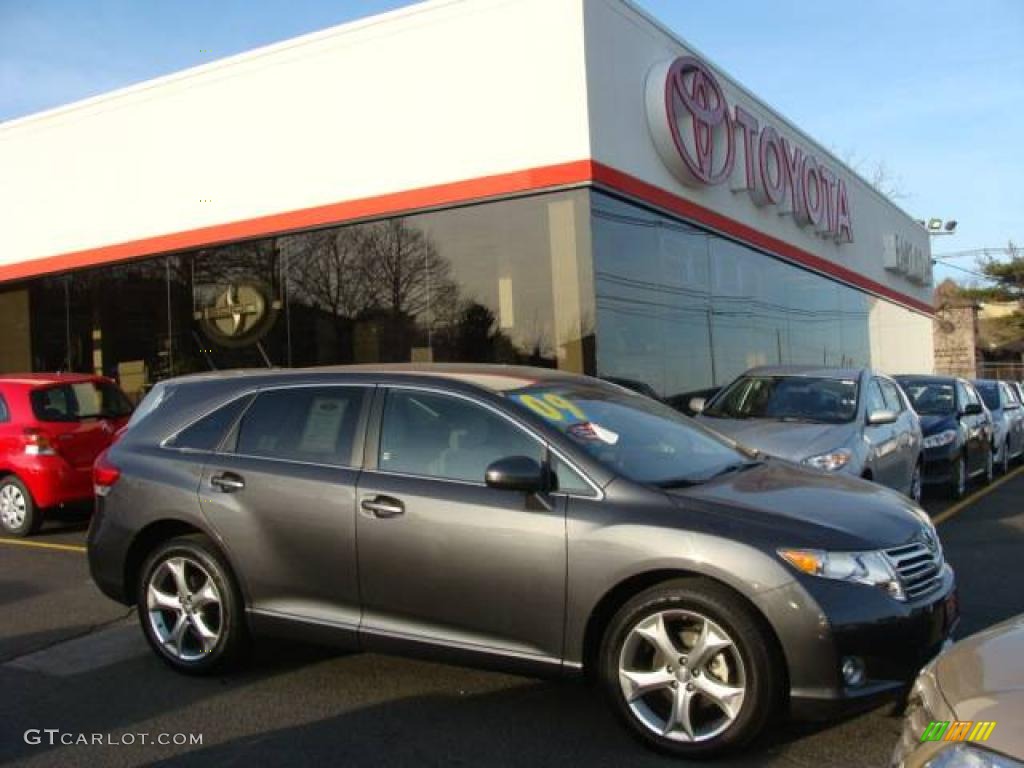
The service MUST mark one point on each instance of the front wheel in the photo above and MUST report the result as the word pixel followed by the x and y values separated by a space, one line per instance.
pixel 189 607
pixel 958 481
pixel 916 484
pixel 689 669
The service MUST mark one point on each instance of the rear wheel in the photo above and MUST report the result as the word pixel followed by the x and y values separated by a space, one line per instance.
pixel 19 515
pixel 189 606
pixel 689 670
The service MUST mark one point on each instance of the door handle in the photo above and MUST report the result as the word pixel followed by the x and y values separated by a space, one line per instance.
pixel 383 506
pixel 228 482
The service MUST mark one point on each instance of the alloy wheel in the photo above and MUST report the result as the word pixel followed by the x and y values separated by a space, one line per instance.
pixel 682 675
pixel 185 608
pixel 13 507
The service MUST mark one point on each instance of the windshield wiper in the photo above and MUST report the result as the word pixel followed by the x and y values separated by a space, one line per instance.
pixel 687 482
pixel 739 466
pixel 678 482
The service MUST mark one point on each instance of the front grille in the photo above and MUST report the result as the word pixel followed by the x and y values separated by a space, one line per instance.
pixel 918 566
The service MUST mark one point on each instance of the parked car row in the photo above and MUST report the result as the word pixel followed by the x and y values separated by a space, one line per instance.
pixel 904 432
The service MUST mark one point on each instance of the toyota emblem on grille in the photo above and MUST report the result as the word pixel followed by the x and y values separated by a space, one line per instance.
pixel 928 537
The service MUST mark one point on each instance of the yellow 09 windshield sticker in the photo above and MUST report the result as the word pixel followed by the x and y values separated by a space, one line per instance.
pixel 553 407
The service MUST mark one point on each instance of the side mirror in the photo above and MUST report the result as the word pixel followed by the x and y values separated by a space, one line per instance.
pixel 972 409
pixel 515 473
pixel 1011 406
pixel 878 418
pixel 698 404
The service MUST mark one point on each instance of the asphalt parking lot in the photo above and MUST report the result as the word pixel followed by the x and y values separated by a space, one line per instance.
pixel 72 660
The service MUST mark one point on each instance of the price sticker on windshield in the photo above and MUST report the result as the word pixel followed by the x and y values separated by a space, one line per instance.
pixel 553 407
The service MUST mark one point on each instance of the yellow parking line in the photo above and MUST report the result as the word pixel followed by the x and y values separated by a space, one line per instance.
pixel 959 507
pixel 43 545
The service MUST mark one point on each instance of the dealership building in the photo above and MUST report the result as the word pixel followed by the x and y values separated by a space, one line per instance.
pixel 561 183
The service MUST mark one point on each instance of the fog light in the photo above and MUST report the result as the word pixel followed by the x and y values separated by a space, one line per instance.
pixel 853 671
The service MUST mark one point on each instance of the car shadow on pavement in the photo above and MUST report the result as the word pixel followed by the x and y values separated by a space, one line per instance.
pixel 13 590
pixel 296 704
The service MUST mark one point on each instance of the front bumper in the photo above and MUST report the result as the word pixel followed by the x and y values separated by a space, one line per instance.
pixel 939 463
pixel 892 639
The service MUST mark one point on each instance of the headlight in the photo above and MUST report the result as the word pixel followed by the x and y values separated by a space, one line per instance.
pixel 946 437
pixel 830 461
pixel 969 756
pixel 870 568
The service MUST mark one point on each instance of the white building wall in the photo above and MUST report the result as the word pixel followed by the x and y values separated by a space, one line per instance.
pixel 623 45
pixel 439 92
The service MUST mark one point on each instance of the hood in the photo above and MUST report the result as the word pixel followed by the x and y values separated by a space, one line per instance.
pixel 982 678
pixel 933 423
pixel 785 504
pixel 785 439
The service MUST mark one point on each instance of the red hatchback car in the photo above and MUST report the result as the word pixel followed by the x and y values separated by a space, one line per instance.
pixel 52 428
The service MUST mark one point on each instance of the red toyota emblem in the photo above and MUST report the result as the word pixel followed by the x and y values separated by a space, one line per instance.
pixel 699 121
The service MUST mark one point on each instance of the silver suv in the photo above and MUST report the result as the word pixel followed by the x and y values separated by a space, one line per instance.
pixel 521 518
pixel 851 421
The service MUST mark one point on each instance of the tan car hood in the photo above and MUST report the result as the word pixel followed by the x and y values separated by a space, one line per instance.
pixel 982 678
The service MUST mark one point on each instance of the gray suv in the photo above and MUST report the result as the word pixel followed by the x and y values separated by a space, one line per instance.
pixel 852 421
pixel 521 518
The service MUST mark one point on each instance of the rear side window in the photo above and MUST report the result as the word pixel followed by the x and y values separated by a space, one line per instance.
pixel 309 424
pixel 78 401
pixel 207 433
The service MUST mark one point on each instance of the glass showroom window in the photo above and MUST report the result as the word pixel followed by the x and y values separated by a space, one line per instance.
pixel 502 282
pixel 682 309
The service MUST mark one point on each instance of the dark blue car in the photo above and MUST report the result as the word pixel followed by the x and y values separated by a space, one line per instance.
pixel 957 431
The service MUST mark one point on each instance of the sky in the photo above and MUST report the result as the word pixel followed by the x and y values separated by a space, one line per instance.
pixel 930 90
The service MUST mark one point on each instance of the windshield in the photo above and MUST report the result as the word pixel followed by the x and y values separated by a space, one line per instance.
pixel 633 435
pixel 930 398
pixel 788 398
pixel 81 400
pixel 990 394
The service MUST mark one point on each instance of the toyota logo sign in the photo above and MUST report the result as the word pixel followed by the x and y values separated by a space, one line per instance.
pixel 706 143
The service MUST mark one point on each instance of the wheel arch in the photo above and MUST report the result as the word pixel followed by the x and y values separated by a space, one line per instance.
pixel 617 596
pixel 149 538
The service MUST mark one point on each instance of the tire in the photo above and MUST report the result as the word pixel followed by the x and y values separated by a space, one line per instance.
pixel 958 482
pixel 677 612
pixel 19 515
pixel 194 623
pixel 917 483
pixel 1004 465
pixel 990 467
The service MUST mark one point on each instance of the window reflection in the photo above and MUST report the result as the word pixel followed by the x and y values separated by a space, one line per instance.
pixel 682 309
pixel 502 282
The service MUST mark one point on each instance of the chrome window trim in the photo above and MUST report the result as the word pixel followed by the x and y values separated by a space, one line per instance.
pixel 546 444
